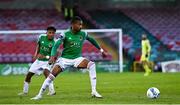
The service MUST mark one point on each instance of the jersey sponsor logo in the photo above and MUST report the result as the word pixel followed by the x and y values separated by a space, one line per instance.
pixel 74 44
pixel 45 49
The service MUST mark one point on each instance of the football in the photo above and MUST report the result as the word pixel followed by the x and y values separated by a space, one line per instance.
pixel 153 93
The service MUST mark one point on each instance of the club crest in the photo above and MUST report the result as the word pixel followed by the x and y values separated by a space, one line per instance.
pixel 50 45
pixel 80 37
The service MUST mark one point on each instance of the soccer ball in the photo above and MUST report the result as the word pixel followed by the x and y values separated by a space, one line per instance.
pixel 153 93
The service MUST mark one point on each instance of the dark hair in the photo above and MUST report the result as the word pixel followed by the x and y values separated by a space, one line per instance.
pixel 76 18
pixel 51 28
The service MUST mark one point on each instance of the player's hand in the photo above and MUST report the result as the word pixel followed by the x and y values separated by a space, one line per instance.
pixel 40 56
pixel 52 60
pixel 37 56
pixel 146 55
pixel 104 54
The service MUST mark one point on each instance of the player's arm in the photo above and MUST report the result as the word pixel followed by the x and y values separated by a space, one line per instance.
pixel 54 48
pixel 35 56
pixel 54 51
pixel 58 42
pixel 94 42
pixel 149 46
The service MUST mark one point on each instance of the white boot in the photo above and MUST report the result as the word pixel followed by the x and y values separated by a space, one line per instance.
pixel 51 93
pixel 96 94
pixel 22 94
pixel 38 97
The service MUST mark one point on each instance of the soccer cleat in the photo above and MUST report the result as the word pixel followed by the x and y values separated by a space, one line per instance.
pixel 51 93
pixel 22 94
pixel 147 73
pixel 38 97
pixel 96 94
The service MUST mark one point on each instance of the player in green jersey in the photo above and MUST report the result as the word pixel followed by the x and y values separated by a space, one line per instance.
pixel 41 57
pixel 146 49
pixel 72 41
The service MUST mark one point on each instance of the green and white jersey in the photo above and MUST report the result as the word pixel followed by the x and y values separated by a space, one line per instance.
pixel 72 44
pixel 45 46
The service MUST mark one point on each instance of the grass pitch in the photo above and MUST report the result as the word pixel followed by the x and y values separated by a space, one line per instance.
pixel 74 88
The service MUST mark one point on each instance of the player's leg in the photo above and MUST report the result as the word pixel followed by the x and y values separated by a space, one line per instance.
pixel 92 75
pixel 51 85
pixel 33 70
pixel 46 73
pixel 145 65
pixel 56 70
pixel 146 68
pixel 26 83
pixel 148 63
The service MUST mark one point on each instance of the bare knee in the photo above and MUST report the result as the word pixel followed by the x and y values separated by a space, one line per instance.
pixel 28 77
pixel 83 64
pixel 56 70
pixel 90 64
pixel 46 73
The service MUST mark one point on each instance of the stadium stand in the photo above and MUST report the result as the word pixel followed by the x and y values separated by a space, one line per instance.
pixel 163 23
pixel 31 19
pixel 20 48
pixel 133 30
pixel 134 22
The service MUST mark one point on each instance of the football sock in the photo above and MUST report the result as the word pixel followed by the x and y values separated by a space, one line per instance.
pixel 51 87
pixel 92 75
pixel 26 87
pixel 46 83
pixel 147 69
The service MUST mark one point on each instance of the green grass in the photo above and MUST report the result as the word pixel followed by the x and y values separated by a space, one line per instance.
pixel 116 88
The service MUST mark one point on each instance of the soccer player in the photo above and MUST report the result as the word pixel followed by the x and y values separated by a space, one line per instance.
pixel 146 49
pixel 72 41
pixel 41 56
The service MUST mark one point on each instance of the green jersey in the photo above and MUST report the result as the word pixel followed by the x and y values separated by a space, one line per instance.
pixel 72 44
pixel 45 46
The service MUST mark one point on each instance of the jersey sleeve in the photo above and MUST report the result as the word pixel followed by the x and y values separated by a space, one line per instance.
pixel 57 44
pixel 61 36
pixel 86 35
pixel 92 40
pixel 148 46
pixel 39 39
